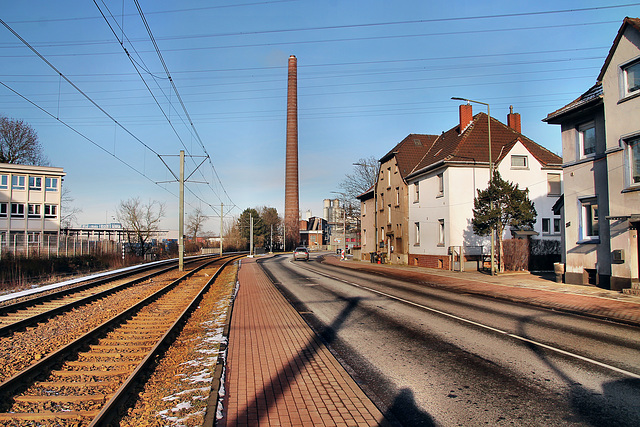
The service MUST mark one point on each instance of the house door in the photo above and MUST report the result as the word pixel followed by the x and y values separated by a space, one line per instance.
pixel 633 234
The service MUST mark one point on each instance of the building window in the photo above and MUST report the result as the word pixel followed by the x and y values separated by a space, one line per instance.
pixel 3 210
pixel 35 183
pixel 587 139
pixel 388 177
pixel 50 211
pixel 364 209
pixel 556 225
pixel 553 184
pixel 33 238
pixel 33 210
pixel 633 157
pixel 4 182
pixel 546 225
pixel 416 192
pixel 589 219
pixel 17 210
pixel 364 237
pixel 440 185
pixel 51 184
pixel 18 182
pixel 388 214
pixel 417 229
pixel 441 232
pixel 519 162
pixel 631 76
pixel 397 196
pixel 381 201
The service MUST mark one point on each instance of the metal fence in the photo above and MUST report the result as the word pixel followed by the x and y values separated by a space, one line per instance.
pixel 51 245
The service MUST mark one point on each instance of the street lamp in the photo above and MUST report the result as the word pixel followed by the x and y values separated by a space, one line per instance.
pixel 493 271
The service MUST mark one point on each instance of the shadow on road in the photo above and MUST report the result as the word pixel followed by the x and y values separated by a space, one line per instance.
pixel 615 406
pixel 402 412
pixel 405 410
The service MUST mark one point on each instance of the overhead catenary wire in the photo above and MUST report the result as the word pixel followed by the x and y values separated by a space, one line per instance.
pixel 86 97
pixel 355 39
pixel 373 24
pixel 179 97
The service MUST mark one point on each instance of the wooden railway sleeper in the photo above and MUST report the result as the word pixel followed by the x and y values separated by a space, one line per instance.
pixel 92 377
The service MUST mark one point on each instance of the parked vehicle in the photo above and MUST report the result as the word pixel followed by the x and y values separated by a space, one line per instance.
pixel 301 253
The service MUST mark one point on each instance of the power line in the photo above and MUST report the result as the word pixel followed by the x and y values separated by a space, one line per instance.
pixel 81 134
pixel 194 9
pixel 343 39
pixel 86 97
pixel 370 24
pixel 175 90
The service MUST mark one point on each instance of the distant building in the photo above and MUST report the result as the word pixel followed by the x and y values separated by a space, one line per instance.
pixel 368 223
pixel 601 163
pixel 30 198
pixel 313 233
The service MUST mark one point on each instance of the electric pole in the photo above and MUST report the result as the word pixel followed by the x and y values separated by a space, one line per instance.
pixel 221 222
pixel 181 215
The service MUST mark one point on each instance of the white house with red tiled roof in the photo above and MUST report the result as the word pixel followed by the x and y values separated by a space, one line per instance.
pixel 443 185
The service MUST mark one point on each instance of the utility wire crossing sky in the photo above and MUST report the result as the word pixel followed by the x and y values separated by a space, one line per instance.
pixel 115 89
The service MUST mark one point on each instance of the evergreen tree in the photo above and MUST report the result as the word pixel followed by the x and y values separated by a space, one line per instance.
pixel 500 205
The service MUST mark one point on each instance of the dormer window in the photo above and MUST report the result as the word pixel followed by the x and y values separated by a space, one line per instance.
pixel 631 78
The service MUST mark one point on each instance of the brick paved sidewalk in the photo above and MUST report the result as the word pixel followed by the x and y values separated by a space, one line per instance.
pixel 278 372
pixel 523 288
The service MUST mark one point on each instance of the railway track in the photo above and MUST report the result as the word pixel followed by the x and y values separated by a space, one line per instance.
pixel 25 311
pixel 86 381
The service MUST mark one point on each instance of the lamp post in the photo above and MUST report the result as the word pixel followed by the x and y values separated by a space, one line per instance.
pixel 493 270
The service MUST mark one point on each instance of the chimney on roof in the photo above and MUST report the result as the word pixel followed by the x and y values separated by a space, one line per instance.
pixel 513 120
pixel 466 116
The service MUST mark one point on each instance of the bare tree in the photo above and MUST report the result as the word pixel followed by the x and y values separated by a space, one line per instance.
pixel 68 213
pixel 19 143
pixel 364 176
pixel 141 221
pixel 195 222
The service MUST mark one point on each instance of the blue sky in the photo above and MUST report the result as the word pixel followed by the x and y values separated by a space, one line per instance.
pixel 369 74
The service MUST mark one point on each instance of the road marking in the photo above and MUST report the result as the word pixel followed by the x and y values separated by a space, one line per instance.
pixel 487 327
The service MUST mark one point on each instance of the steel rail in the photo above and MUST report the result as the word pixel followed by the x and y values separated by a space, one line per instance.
pixel 24 379
pixel 59 295
pixel 110 410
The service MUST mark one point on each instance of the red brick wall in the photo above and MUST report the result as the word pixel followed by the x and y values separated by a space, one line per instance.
pixel 430 261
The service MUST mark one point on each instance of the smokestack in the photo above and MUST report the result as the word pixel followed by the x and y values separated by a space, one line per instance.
pixel 291 194
pixel 466 116
pixel 513 120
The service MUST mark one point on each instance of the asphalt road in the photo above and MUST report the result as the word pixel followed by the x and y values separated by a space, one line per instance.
pixel 431 357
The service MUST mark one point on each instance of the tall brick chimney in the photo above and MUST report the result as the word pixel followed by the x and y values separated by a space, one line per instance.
pixel 513 120
pixel 466 116
pixel 291 194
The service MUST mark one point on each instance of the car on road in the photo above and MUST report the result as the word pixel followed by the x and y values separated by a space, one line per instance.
pixel 301 253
